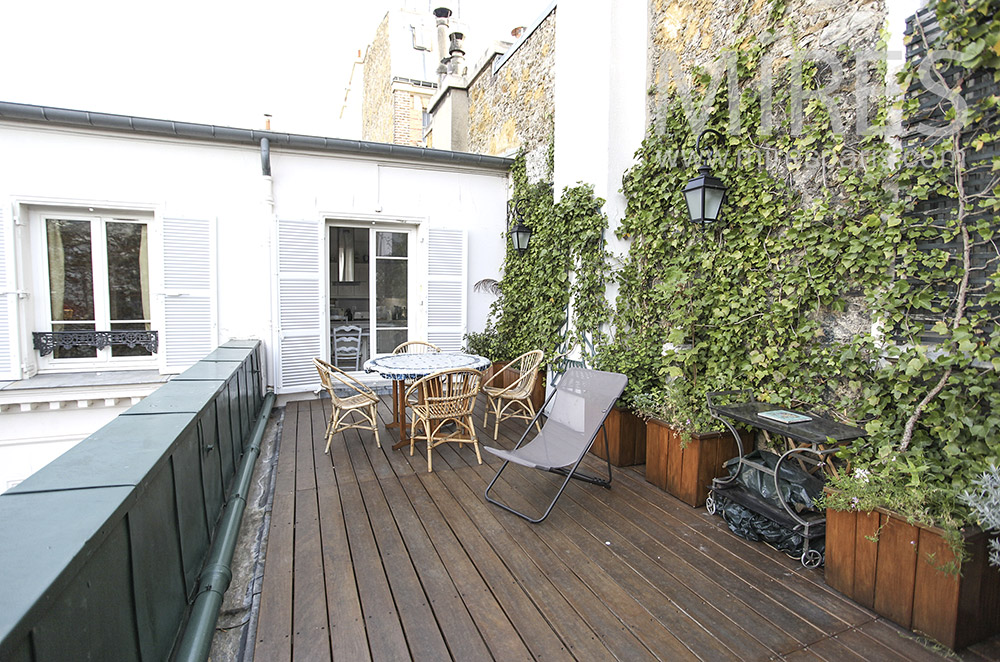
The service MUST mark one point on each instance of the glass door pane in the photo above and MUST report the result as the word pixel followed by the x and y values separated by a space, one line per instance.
pixel 71 281
pixel 391 287
pixel 350 303
pixel 128 282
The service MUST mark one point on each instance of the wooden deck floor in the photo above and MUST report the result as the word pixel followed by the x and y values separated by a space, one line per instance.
pixel 369 556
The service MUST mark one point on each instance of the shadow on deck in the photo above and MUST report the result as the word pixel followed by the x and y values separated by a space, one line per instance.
pixel 369 556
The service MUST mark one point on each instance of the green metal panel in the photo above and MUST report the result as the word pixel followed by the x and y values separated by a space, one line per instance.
pixel 209 371
pixel 229 354
pixel 245 397
pixel 159 587
pixel 190 499
pixel 212 480
pixel 123 452
pixel 44 546
pixel 229 427
pixel 240 343
pixel 175 397
pixel 20 654
pixel 72 624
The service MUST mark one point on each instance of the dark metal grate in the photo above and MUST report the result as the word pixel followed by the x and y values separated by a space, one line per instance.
pixel 47 341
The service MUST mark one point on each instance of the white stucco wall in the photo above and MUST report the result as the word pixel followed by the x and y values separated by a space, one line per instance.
pixel 46 166
pixel 600 108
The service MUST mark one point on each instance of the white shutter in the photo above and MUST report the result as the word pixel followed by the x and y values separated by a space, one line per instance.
pixel 446 288
pixel 300 320
pixel 189 310
pixel 9 369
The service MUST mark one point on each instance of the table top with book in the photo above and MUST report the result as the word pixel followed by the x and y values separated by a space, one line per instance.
pixel 804 428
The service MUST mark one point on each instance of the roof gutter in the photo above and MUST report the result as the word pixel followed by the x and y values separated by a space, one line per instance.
pixel 20 112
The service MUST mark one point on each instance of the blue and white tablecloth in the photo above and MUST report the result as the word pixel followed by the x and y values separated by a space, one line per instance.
pixel 415 366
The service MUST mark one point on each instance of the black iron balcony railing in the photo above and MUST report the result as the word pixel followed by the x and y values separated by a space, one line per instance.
pixel 47 341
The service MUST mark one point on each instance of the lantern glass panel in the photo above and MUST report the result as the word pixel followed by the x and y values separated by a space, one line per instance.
pixel 519 236
pixel 713 202
pixel 694 202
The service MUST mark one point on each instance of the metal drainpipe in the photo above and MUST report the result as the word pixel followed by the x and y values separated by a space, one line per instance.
pixel 265 156
pixel 215 577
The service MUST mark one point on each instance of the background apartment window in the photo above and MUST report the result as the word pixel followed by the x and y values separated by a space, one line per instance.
pixel 98 280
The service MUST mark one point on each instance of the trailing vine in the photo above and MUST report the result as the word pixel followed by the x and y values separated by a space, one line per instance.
pixel 559 283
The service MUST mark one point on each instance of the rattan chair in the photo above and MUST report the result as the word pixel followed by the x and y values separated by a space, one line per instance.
pixel 445 397
pixel 514 400
pixel 363 402
pixel 416 347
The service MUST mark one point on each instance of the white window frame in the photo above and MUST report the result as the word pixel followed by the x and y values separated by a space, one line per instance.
pixel 40 285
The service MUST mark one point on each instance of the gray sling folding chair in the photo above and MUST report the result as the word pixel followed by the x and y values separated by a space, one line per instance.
pixel 577 410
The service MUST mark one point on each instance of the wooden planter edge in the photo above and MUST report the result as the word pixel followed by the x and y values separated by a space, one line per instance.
pixel 884 563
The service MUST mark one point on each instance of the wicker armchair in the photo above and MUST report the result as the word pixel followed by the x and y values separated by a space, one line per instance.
pixel 363 402
pixel 445 397
pixel 416 347
pixel 514 400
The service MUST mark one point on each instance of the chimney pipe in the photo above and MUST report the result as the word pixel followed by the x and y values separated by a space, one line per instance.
pixel 456 51
pixel 442 14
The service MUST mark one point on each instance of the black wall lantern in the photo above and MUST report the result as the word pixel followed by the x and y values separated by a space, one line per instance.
pixel 705 194
pixel 520 234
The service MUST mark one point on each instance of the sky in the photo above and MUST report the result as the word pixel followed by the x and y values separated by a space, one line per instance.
pixel 210 61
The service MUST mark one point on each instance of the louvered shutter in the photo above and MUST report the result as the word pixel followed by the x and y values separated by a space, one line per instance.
pixel 9 369
pixel 300 321
pixel 446 288
pixel 189 310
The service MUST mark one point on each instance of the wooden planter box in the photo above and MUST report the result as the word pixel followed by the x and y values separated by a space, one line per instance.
pixel 626 439
pixel 898 575
pixel 686 472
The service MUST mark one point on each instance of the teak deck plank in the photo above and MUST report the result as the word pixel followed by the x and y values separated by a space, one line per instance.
pixel 543 569
pixel 348 639
pixel 370 557
pixel 273 640
pixel 458 627
pixel 310 636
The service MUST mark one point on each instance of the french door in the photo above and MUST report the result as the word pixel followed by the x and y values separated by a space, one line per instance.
pixel 371 278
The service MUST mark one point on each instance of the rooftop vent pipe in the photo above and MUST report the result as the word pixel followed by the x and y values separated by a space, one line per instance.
pixel 442 14
pixel 456 51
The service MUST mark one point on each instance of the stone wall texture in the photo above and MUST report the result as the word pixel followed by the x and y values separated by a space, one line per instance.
pixel 377 101
pixel 690 34
pixel 514 108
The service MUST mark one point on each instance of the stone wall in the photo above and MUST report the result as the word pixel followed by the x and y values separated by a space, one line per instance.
pixel 377 99
pixel 690 34
pixel 514 107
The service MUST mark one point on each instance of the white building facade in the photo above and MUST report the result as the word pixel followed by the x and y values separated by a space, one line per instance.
pixel 166 239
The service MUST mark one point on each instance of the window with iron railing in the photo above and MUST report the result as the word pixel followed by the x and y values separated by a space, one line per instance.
pixel 95 276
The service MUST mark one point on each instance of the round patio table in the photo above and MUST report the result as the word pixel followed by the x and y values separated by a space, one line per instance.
pixel 403 367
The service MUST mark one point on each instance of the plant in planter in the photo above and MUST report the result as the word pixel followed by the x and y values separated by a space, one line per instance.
pixel 684 452
pixel 904 540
